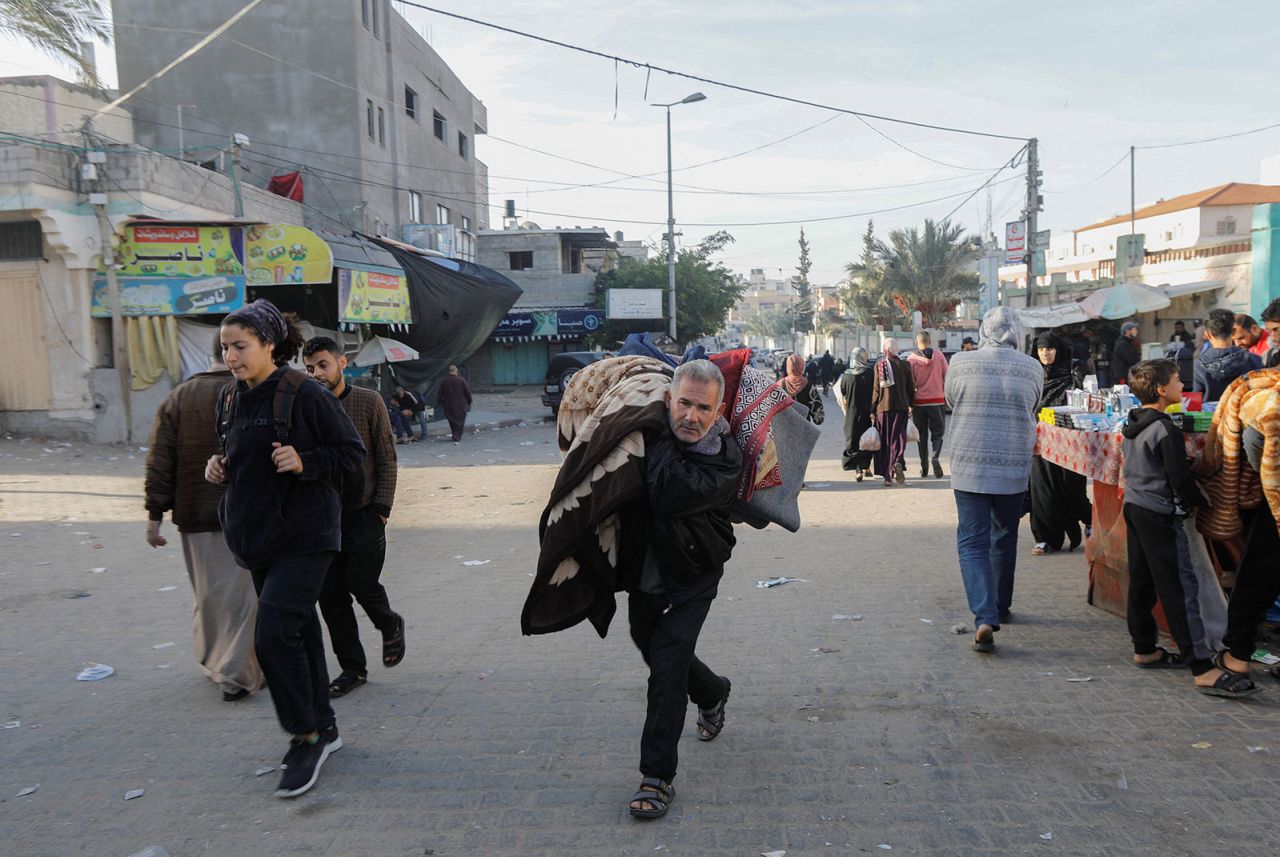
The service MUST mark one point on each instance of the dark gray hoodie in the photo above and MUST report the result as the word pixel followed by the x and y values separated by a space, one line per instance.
pixel 1156 471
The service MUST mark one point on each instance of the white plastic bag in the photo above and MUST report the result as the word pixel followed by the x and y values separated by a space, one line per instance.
pixel 870 441
pixel 913 433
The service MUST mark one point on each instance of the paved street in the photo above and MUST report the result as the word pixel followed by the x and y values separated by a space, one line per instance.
pixel 844 735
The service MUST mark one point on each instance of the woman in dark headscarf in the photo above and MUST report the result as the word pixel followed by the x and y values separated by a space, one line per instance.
pixel 1059 504
pixel 798 385
pixel 855 401
pixel 892 391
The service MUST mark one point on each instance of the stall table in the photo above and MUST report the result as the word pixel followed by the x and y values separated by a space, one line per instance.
pixel 1097 455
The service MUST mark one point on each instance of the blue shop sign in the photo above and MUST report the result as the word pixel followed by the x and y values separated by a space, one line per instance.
pixel 579 322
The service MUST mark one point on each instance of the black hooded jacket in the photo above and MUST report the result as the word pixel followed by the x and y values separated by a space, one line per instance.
pixel 1156 469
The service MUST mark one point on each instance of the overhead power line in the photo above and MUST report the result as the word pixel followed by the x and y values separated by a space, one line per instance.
pixel 722 84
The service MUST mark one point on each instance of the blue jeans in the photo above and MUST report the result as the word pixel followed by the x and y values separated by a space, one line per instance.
pixel 987 542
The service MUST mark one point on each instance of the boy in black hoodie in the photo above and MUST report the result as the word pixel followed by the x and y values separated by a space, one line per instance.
pixel 1159 495
pixel 1222 362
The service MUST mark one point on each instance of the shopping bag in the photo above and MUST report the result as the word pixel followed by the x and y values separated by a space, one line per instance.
pixel 870 441
pixel 913 433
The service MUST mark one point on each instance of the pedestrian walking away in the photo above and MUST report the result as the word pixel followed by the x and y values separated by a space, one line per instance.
pixel 692 475
pixel 1060 508
pixel 182 440
pixel 827 371
pixel 798 387
pixel 893 388
pixel 286 447
pixel 366 506
pixel 455 401
pixel 928 406
pixel 855 400
pixel 1160 492
pixel 992 392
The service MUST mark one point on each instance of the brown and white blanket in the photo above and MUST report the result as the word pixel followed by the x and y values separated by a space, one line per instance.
pixel 591 531
pixel 1231 485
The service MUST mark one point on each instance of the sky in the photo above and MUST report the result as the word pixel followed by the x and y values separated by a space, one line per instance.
pixel 1088 81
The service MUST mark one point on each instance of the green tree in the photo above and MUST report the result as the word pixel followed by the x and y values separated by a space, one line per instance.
pixel 862 295
pixel 919 270
pixel 57 27
pixel 769 322
pixel 705 292
pixel 803 308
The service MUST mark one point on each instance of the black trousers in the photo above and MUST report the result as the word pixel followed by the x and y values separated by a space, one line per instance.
pixel 1059 504
pixel 1257 584
pixel 931 423
pixel 290 642
pixel 457 427
pixel 355 573
pixel 1160 566
pixel 676 676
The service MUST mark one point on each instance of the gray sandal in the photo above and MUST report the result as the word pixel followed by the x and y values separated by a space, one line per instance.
pixel 657 793
pixel 711 720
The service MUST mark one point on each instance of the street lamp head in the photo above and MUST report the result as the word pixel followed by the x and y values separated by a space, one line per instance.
pixel 689 99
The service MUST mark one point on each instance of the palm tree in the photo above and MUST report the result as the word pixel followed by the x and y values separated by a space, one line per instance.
pixel 863 296
pixel 919 270
pixel 57 27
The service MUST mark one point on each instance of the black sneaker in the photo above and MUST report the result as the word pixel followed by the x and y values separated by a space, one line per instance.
pixel 328 733
pixel 937 468
pixel 305 761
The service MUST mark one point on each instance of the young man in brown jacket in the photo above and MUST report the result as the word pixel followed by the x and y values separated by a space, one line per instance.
pixel 366 506
pixel 183 437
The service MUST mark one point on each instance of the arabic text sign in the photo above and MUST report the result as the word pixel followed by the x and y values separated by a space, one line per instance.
pixel 634 303
pixel 578 322
pixel 169 296
pixel 277 255
pixel 179 251
pixel 372 298
pixel 1015 241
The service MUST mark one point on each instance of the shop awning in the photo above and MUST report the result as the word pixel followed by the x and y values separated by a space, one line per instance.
pixel 1184 289
pixel 1053 316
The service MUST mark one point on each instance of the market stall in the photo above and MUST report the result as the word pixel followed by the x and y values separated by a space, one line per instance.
pixel 1097 455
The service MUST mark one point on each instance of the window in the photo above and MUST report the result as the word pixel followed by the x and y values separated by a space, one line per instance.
pixel 364 13
pixel 382 128
pixel 415 207
pixel 411 103
pixel 466 223
pixel 368 111
pixel 463 146
pixel 21 240
pixel 438 125
pixel 1227 227
pixel 442 215
pixel 374 5
pixel 521 260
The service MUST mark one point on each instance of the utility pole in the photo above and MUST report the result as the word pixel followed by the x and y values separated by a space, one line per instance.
pixel 1133 206
pixel 237 141
pixel 182 140
pixel 91 170
pixel 1034 206
pixel 671 239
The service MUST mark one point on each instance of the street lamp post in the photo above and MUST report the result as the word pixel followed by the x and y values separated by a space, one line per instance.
pixel 671 217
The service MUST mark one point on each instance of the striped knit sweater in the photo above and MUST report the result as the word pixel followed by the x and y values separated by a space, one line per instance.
pixel 369 414
pixel 993 393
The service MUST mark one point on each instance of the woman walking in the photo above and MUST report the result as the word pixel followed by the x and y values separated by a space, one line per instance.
pixel 855 401
pixel 892 390
pixel 1059 504
pixel 286 445
pixel 800 388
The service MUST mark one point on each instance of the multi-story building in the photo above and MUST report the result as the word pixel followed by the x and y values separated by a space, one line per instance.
pixel 1200 245
pixel 345 91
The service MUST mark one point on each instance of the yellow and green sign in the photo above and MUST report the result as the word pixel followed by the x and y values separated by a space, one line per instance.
pixel 370 297
pixel 161 250
pixel 279 255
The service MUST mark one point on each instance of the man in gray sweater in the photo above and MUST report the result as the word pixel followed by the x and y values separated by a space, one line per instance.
pixel 993 393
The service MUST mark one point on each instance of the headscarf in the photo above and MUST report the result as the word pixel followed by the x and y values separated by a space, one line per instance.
pixel 884 368
pixel 859 361
pixel 1001 328
pixel 1057 376
pixel 263 318
pixel 795 381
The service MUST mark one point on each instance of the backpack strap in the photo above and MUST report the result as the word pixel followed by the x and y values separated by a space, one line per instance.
pixel 282 402
pixel 223 413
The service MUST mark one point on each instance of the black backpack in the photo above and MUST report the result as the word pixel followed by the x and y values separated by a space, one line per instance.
pixel 281 407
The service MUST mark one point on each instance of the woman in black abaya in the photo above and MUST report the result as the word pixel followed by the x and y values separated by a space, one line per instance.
pixel 1059 504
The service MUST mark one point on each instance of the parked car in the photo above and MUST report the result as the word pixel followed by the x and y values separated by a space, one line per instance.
pixel 561 369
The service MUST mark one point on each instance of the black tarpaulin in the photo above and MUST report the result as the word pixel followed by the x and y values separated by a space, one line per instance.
pixel 456 305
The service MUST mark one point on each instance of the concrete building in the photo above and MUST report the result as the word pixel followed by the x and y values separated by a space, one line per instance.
pixel 346 91
pixel 54 109
pixel 58 380
pixel 763 294
pixel 557 269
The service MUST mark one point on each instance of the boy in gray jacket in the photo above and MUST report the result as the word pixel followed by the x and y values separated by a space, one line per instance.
pixel 1160 492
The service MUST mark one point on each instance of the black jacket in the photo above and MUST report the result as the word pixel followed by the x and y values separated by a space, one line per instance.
pixel 1156 469
pixel 1218 367
pixel 1123 358
pixel 268 516
pixel 689 499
